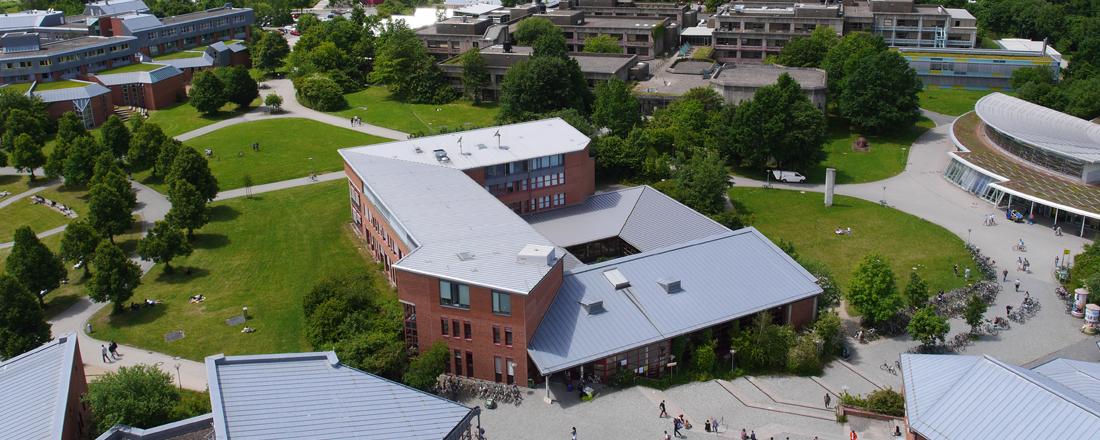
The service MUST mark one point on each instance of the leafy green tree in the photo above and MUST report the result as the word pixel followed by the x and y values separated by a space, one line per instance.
pixel 974 313
pixel 1035 74
pixel 80 160
pixel 808 51
pixel 916 292
pixel 169 149
pixel 880 93
pixel 616 157
pixel 830 290
pixel 321 93
pixel 145 145
pixel 550 45
pixel 704 359
pixel 207 92
pixel 615 107
pixel 779 124
pixel 33 265
pixel 352 314
pixel 852 49
pixel 114 136
pixel 763 346
pixel 1083 97
pixel 69 127
pixel 23 326
pixel 111 202
pixel 529 30
pixel 602 43
pixel 426 367
pixel 803 357
pixel 79 243
pixel 928 327
pixel 872 290
pixel 30 120
pixel 274 102
pixel 141 396
pixel 827 328
pixel 691 120
pixel 410 73
pixel 192 168
pixel 542 84
pixel 163 243
pixel 115 277
pixel 189 210
pixel 703 180
pixel 239 87
pixel 27 155
pixel 475 75
pixel 268 51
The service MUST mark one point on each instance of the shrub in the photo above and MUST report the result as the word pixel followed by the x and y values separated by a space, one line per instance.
pixel 703 53
pixel 764 345
pixel 141 396
pixel 827 329
pixel 425 368
pixel 321 93
pixel 622 378
pixel 803 358
pixel 887 402
pixel 703 359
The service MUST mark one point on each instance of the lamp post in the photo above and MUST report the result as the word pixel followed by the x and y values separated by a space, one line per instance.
pixel 733 360
pixel 179 379
pixel 967 235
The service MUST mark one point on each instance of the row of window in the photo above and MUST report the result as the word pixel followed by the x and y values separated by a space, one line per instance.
pixel 453 328
pixel 548 180
pixel 544 202
pixel 500 367
pixel 452 294
pixel 523 166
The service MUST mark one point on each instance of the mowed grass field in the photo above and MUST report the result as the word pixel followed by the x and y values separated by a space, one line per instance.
pixel 182 117
pixel 886 158
pixel 40 217
pixel 906 241
pixel 263 253
pixel 374 106
pixel 951 102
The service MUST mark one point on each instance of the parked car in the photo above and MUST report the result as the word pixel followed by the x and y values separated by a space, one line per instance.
pixel 788 176
pixel 295 32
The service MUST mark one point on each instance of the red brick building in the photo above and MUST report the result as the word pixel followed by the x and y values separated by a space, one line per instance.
pixel 504 292
pixel 154 89
pixel 43 391
pixel 90 101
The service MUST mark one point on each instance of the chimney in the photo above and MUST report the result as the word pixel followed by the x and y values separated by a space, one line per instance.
pixel 592 305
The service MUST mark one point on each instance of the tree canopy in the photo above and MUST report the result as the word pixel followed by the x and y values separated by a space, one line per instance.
pixel 189 210
pixel 114 136
pixel 808 51
pixel 239 87
pixel 268 50
pixel 879 93
pixel 353 315
pixel 916 291
pixel 872 290
pixel 615 107
pixel 192 168
pixel 22 324
pixel 145 144
pixel 602 43
pixel 475 74
pixel 542 84
pixel 141 396
pixel 79 243
pixel 928 327
pixel 163 243
pixel 26 154
pixel 529 30
pixel 115 277
pixel 779 124
pixel 404 65
pixel 207 92
pixel 33 265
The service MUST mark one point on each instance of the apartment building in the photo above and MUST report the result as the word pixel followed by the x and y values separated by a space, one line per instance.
pixel 745 31
pixel 49 24
pixel 684 15
pixel 26 58
pixel 901 23
pixel 646 37
pixel 157 36
pixel 458 34
pixel 974 68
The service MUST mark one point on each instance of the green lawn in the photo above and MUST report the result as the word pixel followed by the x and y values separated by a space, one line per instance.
pixel 182 117
pixel 951 102
pixel 136 67
pixel 18 87
pixel 16 184
pixel 375 107
pixel 178 55
pixel 886 158
pixel 286 145
pixel 58 85
pixel 265 254
pixel 905 240
pixel 24 213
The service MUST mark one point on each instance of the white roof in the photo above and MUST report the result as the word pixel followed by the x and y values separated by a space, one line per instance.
pixel 35 389
pixel 1026 45
pixel 441 212
pixel 479 148
pixel 25 19
pixel 149 77
pixel 422 17
pixel 697 31
pixel 961 14
pixel 478 9
pixel 1041 127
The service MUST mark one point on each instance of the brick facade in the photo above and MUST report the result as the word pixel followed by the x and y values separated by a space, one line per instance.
pixel 101 106
pixel 77 424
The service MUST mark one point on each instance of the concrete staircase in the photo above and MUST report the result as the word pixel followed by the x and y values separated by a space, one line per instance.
pixel 750 394
pixel 123 113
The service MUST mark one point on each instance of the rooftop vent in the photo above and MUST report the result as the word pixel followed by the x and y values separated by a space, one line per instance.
pixel 616 279
pixel 465 256
pixel 536 254
pixel 592 306
pixel 482 146
pixel 441 155
pixel 670 285
pixel 418 150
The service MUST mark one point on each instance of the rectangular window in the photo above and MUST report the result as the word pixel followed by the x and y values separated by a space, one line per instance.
pixel 467 330
pixel 508 337
pixel 454 294
pixel 447 367
pixel 454 328
pixel 511 371
pixel 498 368
pixel 443 326
pixel 469 364
pixel 458 362
pixel 496 335
pixel 502 303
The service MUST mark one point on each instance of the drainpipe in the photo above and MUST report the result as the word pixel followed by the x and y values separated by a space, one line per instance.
pixel 549 400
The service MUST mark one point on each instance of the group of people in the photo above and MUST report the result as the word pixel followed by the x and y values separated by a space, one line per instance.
pixel 843 231
pixel 60 207
pixel 109 352
pixel 682 422
pixel 990 220
pixel 356 121
pixel 1023 265
pixel 195 299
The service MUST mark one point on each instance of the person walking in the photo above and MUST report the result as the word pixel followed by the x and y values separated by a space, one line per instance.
pixel 574 433
pixel 752 435
pixel 1005 276
pixel 666 437
pixel 103 351
pixel 665 413
pixel 676 428
pixel 828 399
pixel 744 434
pixel 1017 284
pixel 112 347
pixel 853 436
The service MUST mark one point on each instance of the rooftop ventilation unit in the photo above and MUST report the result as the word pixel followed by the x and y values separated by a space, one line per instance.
pixel 465 256
pixel 482 146
pixel 536 254
pixel 616 278
pixel 441 155
pixel 592 306
pixel 669 285
pixel 418 150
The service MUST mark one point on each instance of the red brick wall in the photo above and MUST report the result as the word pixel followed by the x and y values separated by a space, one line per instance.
pixel 580 182
pixel 375 239
pixel 802 312
pixel 241 59
pixel 101 108
pixel 164 93
pixel 77 420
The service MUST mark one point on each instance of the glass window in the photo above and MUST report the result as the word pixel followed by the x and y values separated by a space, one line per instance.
pixel 454 328
pixel 454 294
pixel 508 337
pixel 458 362
pixel 498 368
pixel 467 330
pixel 469 364
pixel 502 303
pixel 511 371
pixel 496 334
pixel 443 326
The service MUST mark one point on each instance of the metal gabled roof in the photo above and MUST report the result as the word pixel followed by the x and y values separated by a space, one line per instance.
pixel 140 22
pixel 980 398
pixel 722 278
pixel 35 389
pixel 1041 127
pixel 72 93
pixel 1082 377
pixel 204 60
pixel 313 395
pixel 118 7
pixel 149 77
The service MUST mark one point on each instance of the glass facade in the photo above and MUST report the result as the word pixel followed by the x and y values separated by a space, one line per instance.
pixel 1038 156
pixel 973 181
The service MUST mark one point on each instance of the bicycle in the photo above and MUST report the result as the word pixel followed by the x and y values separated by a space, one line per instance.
pixel 889 368
pixel 1019 247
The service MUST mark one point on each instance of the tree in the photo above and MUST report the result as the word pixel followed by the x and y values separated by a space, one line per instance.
pixel 529 30
pixel 1083 97
pixel 426 367
pixel 872 290
pixel 69 127
pixel 404 65
pixel 616 157
pixel 115 277
pixel 808 51
pixel 115 137
pixel 975 312
pixel 80 159
pixel 274 102
pixel 269 51
pixel 23 326
pixel 763 346
pixel 169 149
pixel 145 143
pixel 602 43
pixel 33 265
pixel 827 328
pixel 192 168
pixel 879 93
pixel 26 154
pixel 141 396
pixel 163 243
pixel 29 120
pixel 830 291
pixel 352 314
pixel 207 92
pixel 928 327
pixel 321 93
pixel 1035 74
pixel 779 124
pixel 111 199
pixel 475 74
pixel 79 243
pixel 703 182
pixel 849 50
pixel 189 209
pixel 550 45
pixel 615 107
pixel 542 84
pixel 239 87
pixel 916 292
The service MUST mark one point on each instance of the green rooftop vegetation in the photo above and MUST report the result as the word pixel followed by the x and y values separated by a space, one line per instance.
pixel 137 67
pixel 178 55
pixel 951 101
pixel 18 87
pixel 58 85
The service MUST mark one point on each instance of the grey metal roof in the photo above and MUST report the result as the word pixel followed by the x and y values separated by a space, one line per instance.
pixel 89 91
pixel 237 47
pixel 641 216
pixel 219 47
pixel 978 398
pixel 723 277
pixel 193 62
pixel 30 19
pixel 194 428
pixel 1041 127
pixel 150 77
pixel 312 395
pixel 35 389
pixel 1083 377
pixel 114 8
pixel 140 22
pixel 443 212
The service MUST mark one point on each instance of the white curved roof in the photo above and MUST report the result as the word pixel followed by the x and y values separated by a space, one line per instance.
pixel 1041 127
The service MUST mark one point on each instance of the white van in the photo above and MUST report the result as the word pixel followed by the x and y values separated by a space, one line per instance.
pixel 788 176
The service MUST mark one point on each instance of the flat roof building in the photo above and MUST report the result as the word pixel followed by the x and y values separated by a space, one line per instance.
pixel 26 58
pixel 974 68
pixel 750 31
pixel 735 82
pixel 43 391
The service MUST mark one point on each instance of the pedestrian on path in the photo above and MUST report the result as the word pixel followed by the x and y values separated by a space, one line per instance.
pixel 666 437
pixel 103 351
pixel 827 400
pixel 574 433
pixel 665 413
pixel 112 347
pixel 752 435
pixel 853 435
pixel 1017 284
pixel 966 274
pixel 1056 259
pixel 744 434
pixel 1005 279
pixel 676 428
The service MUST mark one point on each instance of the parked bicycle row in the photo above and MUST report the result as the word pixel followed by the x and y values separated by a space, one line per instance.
pixel 455 387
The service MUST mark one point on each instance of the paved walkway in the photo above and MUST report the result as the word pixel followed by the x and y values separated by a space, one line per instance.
pixel 275 186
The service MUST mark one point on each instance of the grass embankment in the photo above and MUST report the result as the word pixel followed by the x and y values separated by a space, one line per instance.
pixel 374 106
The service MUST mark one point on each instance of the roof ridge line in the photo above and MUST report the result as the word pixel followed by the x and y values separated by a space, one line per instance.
pixel 1039 384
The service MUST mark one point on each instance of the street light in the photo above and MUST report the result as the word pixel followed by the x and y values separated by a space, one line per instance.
pixel 179 379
